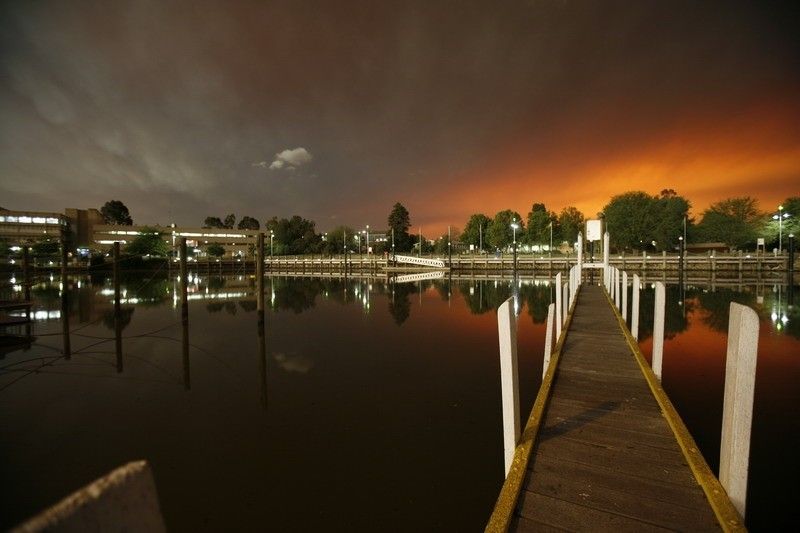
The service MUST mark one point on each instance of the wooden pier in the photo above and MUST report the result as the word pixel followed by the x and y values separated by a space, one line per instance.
pixel 603 448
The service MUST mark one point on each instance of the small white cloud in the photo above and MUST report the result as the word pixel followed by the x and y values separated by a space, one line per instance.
pixel 291 159
pixel 261 164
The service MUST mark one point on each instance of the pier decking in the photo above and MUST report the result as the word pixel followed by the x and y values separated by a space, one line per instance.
pixel 604 449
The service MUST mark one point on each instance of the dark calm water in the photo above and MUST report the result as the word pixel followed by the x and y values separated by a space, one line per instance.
pixel 364 405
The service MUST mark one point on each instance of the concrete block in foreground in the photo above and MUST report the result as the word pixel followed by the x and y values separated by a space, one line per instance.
pixel 123 500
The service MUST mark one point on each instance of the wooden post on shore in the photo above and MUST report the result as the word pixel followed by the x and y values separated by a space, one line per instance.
pixel 548 339
pixel 187 383
pixel 117 310
pixel 658 329
pixel 737 409
pixel 509 379
pixel 260 273
pixel 565 302
pixel 559 307
pixel 635 307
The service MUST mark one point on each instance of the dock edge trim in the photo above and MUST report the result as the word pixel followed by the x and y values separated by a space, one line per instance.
pixel 503 512
pixel 728 517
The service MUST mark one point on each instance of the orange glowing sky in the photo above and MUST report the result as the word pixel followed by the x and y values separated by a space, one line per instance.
pixel 705 158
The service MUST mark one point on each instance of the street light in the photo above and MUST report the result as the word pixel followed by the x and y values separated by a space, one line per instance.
pixel 551 239
pixel 514 227
pixel 779 216
pixel 271 237
pixel 367 233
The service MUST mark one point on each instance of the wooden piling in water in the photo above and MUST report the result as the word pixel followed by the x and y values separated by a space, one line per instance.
pixel 260 272
pixel 117 309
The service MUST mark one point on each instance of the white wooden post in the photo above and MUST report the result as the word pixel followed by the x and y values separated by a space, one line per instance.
pixel 558 306
pixel 509 380
pixel 606 248
pixel 615 281
pixel 625 296
pixel 658 329
pixel 565 302
pixel 619 289
pixel 635 307
pixel 737 408
pixel 548 339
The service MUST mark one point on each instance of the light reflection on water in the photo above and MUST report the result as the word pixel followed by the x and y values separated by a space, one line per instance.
pixel 358 399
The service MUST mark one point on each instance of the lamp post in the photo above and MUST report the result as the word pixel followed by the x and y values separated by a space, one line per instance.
pixel 366 232
pixel 551 239
pixel 791 257
pixel 271 237
pixel 449 248
pixel 393 244
pixel 514 227
pixel 779 216
pixel 480 238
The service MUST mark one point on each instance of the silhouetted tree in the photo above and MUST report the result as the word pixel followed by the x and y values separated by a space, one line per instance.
pixel 248 223
pixel 735 221
pixel 399 221
pixel 115 212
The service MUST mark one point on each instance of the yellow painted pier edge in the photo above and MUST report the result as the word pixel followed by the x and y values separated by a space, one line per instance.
pixel 507 500
pixel 728 517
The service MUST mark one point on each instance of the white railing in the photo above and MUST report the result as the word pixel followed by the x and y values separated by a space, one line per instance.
pixel 438 263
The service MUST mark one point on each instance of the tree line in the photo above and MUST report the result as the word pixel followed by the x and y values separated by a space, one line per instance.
pixel 635 220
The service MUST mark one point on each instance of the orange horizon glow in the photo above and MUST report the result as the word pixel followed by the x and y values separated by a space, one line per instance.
pixel 753 153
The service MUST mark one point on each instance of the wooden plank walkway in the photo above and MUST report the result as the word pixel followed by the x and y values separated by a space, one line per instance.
pixel 602 455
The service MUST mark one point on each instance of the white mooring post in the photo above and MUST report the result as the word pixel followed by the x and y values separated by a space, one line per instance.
pixel 737 408
pixel 565 303
pixel 509 379
pixel 625 296
pixel 548 338
pixel 619 289
pixel 558 306
pixel 606 248
pixel 658 329
pixel 635 307
pixel 615 281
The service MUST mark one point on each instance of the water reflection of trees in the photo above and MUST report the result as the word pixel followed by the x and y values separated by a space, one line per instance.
pixel 716 306
pixel 400 303
pixel 675 313
pixel 125 317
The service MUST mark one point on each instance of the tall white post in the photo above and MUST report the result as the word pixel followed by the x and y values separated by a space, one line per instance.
pixel 615 281
pixel 625 296
pixel 635 307
pixel 606 248
pixel 737 408
pixel 658 329
pixel 565 301
pixel 509 380
pixel 558 306
pixel 548 339
pixel 579 244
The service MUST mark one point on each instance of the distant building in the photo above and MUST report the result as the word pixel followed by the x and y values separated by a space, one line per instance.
pixel 236 242
pixel 20 227
pixel 27 227
pixel 87 229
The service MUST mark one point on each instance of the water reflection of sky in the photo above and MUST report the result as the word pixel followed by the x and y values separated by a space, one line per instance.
pixel 348 377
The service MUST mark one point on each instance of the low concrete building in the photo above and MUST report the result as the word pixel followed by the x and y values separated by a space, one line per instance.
pixel 236 242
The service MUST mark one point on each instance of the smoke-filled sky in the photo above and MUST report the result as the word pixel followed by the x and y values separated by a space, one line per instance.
pixel 337 110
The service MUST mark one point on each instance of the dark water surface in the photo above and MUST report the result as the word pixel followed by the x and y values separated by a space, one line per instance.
pixel 364 404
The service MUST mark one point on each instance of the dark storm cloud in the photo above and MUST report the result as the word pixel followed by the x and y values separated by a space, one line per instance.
pixel 173 106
